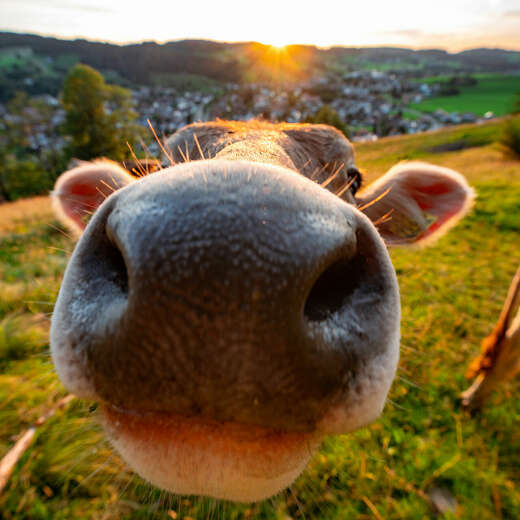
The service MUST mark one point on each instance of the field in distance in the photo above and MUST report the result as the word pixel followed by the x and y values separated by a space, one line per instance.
pixel 493 93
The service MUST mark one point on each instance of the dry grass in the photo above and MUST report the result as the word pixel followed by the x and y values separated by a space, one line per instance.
pixel 17 217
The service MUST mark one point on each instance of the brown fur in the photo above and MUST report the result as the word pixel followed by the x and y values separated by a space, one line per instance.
pixel 317 151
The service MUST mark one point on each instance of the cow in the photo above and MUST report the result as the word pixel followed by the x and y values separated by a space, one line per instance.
pixel 231 310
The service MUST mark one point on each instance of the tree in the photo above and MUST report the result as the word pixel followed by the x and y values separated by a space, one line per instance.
pixel 30 161
pixel 99 118
pixel 509 138
pixel 516 107
pixel 326 115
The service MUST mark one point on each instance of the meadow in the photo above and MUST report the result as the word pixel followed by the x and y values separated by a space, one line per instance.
pixel 452 294
pixel 493 92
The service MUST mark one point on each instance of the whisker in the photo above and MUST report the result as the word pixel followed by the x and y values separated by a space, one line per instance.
pixel 397 405
pixel 59 249
pixel 159 143
pixel 61 231
pixel 182 154
pixel 95 472
pixel 408 382
pixel 140 168
pixel 101 193
pixel 83 203
pixel 111 188
pixel 306 163
pixel 385 218
pixel 346 187
pixel 165 141
pixel 195 138
pixel 129 482
pixel 318 170
pixel 382 221
pixel 148 154
pixel 114 182
pixel 333 176
pixel 373 201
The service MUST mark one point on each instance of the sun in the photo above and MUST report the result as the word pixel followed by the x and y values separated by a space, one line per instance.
pixel 277 43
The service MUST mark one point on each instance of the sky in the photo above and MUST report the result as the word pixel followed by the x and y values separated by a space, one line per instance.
pixel 453 25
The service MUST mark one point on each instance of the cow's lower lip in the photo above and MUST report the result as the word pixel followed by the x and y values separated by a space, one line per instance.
pixel 198 457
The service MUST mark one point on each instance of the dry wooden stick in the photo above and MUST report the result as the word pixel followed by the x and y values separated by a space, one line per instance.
pixel 9 461
pixel 500 357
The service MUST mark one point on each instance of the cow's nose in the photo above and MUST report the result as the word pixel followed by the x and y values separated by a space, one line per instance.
pixel 227 290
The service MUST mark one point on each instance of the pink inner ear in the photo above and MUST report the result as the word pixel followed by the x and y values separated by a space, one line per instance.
pixel 80 191
pixel 80 198
pixel 87 190
pixel 427 197
pixel 83 203
pixel 438 224
pixel 422 202
pixel 437 188
pixel 444 199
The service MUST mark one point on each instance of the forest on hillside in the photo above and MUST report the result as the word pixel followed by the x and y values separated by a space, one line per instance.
pixel 146 62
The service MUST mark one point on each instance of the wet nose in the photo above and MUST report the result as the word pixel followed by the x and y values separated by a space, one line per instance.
pixel 213 289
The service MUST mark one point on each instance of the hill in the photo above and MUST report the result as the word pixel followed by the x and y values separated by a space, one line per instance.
pixel 140 63
pixel 452 294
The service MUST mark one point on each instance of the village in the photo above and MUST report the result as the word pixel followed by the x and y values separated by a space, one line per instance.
pixel 371 104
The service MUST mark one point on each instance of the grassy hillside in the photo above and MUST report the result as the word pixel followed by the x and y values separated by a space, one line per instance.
pixel 452 294
pixel 494 92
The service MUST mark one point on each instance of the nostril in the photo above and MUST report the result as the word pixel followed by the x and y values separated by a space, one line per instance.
pixel 117 271
pixel 333 288
pixel 115 268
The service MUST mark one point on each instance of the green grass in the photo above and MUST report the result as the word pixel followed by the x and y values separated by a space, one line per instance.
pixel 452 294
pixel 376 158
pixel 409 114
pixel 494 92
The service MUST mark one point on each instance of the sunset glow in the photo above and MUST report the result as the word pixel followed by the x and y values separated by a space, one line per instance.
pixel 453 25
pixel 278 46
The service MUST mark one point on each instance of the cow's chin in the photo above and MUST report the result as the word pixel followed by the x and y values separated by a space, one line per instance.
pixel 221 460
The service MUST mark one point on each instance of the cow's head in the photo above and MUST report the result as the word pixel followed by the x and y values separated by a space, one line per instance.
pixel 229 312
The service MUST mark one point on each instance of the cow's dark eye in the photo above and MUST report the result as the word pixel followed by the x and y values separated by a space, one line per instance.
pixel 354 176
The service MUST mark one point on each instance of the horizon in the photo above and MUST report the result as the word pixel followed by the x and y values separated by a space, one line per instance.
pixel 232 42
pixel 450 25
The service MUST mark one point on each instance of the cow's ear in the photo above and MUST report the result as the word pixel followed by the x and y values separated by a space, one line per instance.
pixel 416 202
pixel 78 192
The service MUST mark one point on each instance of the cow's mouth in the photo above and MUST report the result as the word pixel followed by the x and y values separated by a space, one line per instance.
pixel 198 457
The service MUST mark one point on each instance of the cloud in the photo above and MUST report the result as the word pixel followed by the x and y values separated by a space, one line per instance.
pixel 407 33
pixel 63 5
